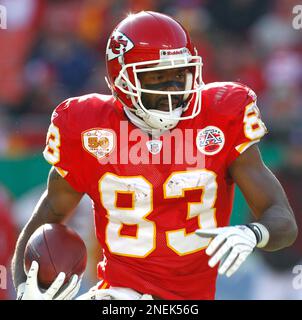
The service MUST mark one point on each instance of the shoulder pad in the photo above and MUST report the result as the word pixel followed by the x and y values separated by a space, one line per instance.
pixel 75 112
pixel 228 96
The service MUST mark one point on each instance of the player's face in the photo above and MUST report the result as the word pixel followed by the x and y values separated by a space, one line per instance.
pixel 163 80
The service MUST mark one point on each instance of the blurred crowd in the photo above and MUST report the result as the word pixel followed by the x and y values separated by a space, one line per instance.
pixel 54 49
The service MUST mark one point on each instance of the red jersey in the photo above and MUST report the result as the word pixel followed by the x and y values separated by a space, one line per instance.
pixel 8 233
pixel 151 194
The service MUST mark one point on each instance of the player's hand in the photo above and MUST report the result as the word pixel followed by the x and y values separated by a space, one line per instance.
pixel 30 290
pixel 114 293
pixel 230 246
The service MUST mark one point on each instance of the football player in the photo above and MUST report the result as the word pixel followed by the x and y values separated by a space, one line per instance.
pixel 159 158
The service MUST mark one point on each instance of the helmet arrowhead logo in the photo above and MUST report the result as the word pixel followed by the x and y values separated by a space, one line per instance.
pixel 118 44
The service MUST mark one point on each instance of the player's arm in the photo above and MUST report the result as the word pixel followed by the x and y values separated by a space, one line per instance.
pixel 266 198
pixel 55 206
pixel 275 226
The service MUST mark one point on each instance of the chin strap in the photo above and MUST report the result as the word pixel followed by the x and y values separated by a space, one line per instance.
pixel 138 122
pixel 157 118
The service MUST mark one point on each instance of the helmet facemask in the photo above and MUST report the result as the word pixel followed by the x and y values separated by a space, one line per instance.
pixel 176 101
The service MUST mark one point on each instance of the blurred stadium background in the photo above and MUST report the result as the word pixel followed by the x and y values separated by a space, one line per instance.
pixel 54 49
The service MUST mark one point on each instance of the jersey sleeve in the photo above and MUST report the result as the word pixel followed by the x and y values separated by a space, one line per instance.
pixel 63 145
pixel 247 126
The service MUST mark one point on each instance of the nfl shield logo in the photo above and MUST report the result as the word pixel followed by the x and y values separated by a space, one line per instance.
pixel 154 146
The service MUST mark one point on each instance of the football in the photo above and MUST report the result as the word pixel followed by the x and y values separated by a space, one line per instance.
pixel 56 248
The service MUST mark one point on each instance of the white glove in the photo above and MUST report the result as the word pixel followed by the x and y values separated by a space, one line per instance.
pixel 30 290
pixel 231 246
pixel 113 293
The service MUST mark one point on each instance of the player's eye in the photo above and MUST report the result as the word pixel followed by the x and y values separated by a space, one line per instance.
pixel 154 77
pixel 181 75
pixel 158 77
